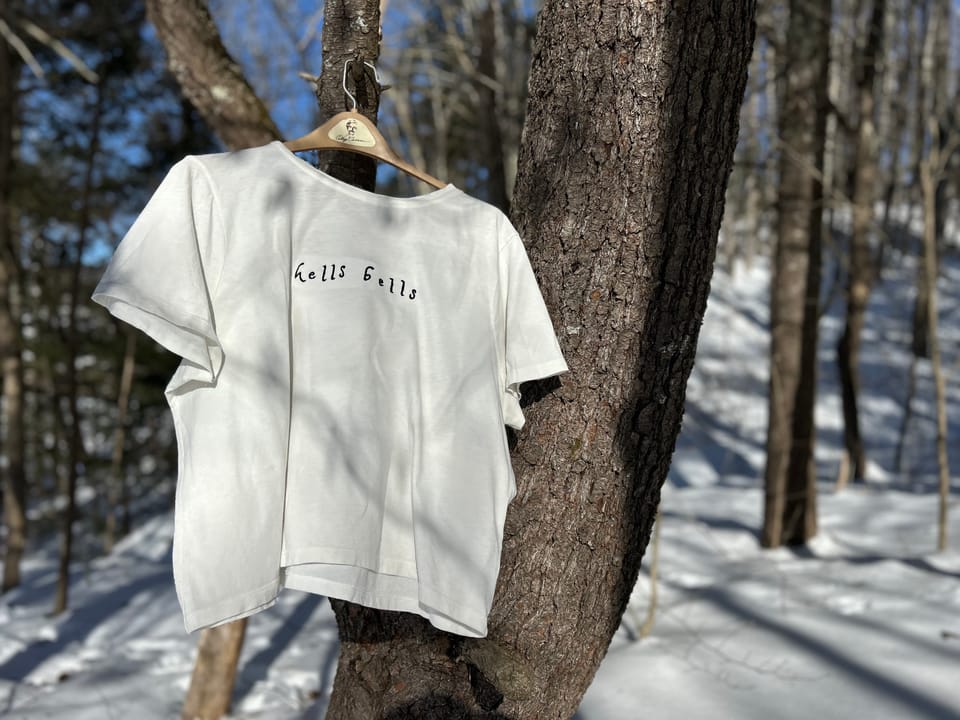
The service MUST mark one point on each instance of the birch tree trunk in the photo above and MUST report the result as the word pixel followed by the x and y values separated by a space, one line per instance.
pixel 790 479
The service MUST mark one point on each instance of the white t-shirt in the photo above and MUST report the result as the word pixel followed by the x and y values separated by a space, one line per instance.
pixel 349 363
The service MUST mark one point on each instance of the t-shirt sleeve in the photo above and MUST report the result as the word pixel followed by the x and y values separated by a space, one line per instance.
pixel 160 276
pixel 531 349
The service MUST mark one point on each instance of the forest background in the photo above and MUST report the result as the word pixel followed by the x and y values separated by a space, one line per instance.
pixel 844 172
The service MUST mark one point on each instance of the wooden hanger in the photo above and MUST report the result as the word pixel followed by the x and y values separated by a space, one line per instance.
pixel 353 132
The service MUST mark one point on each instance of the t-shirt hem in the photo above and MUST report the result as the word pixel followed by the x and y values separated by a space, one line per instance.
pixel 233 608
pixel 429 604
pixel 348 556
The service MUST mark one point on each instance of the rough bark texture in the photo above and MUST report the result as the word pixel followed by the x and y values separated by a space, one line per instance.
pixel 790 480
pixel 14 478
pixel 628 143
pixel 209 78
pixel 860 267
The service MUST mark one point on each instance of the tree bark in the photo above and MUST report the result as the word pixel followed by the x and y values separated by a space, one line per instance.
pixel 351 30
pixel 860 268
pixel 628 144
pixel 214 673
pixel 14 477
pixel 790 478
pixel 208 77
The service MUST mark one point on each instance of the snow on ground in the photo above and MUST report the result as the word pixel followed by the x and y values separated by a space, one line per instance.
pixel 865 622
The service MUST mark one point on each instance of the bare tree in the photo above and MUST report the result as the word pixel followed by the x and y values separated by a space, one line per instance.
pixel 790 478
pixel 931 170
pixel 117 491
pixel 459 69
pixel 860 260
pixel 71 341
pixel 931 43
pixel 14 477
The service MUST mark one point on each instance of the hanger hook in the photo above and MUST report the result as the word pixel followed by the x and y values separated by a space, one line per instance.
pixel 344 83
pixel 376 78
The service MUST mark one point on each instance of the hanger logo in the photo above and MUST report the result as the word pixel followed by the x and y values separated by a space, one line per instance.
pixel 351 131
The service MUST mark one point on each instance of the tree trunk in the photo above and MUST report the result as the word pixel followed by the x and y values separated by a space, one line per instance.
pixel 208 77
pixel 928 177
pixel 922 84
pixel 350 31
pixel 214 673
pixel 490 107
pixel 790 477
pixel 117 494
pixel 14 478
pixel 628 143
pixel 931 171
pixel 72 343
pixel 860 269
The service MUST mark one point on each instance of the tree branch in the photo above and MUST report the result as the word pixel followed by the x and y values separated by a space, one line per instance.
pixel 210 79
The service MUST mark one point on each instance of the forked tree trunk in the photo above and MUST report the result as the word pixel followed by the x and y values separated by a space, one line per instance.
pixel 14 478
pixel 790 480
pixel 628 142
pixel 860 269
